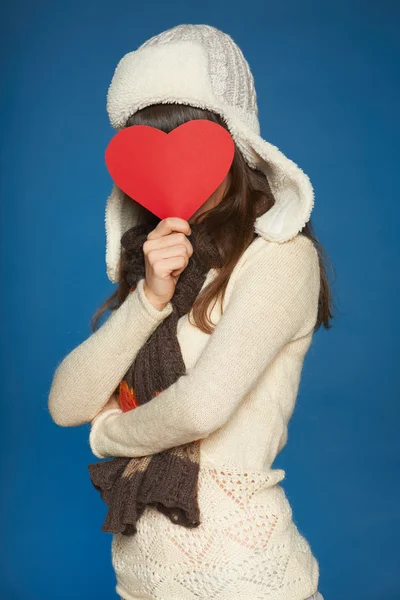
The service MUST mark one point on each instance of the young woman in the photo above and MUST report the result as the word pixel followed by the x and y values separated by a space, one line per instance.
pixel 212 319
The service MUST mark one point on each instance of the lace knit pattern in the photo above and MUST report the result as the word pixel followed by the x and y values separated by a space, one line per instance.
pixel 240 550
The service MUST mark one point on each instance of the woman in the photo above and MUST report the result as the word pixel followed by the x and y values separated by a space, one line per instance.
pixel 228 410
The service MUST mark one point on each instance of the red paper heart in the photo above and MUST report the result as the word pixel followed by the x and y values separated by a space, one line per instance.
pixel 172 174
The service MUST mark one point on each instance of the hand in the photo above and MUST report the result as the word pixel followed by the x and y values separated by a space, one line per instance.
pixel 111 403
pixel 167 251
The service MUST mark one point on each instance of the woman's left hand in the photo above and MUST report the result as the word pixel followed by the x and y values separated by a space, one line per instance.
pixel 112 403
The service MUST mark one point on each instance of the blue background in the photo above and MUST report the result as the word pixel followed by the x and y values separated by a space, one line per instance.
pixel 328 97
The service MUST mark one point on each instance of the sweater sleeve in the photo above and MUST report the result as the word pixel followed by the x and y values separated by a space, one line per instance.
pixel 274 300
pixel 86 378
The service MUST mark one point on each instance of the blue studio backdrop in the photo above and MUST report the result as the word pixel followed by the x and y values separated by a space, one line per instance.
pixel 328 97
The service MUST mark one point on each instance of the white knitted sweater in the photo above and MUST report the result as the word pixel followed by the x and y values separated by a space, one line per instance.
pixel 237 396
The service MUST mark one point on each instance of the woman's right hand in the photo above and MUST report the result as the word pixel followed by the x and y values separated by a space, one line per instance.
pixel 167 251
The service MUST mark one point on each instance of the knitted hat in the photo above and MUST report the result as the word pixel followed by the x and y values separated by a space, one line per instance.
pixel 202 66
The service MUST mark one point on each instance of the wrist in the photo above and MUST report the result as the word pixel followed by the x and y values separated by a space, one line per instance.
pixel 152 299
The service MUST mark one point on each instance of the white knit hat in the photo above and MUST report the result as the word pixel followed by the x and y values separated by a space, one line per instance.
pixel 202 66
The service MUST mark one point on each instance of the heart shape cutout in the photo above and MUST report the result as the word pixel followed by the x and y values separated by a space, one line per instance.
pixel 172 174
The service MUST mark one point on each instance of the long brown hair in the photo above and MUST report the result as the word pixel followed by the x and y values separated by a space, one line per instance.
pixel 231 222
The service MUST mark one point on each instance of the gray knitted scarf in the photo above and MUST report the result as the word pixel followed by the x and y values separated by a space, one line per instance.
pixel 166 480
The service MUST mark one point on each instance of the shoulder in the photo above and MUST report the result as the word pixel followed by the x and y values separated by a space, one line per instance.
pixel 278 282
pixel 276 272
pixel 297 257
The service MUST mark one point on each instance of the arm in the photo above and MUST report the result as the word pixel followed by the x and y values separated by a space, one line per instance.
pixel 86 378
pixel 274 301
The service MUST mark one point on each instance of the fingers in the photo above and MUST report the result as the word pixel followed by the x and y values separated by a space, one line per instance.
pixel 167 226
pixel 175 265
pixel 165 235
pixel 172 245
pixel 167 252
pixel 155 254
pixel 163 261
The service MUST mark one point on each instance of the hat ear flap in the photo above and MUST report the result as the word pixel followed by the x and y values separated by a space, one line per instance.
pixel 290 186
pixel 122 213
